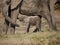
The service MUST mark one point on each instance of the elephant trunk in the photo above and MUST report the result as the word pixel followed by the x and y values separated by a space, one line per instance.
pixel 10 20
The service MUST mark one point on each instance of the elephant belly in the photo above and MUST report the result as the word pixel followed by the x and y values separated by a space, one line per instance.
pixel 14 3
pixel 28 6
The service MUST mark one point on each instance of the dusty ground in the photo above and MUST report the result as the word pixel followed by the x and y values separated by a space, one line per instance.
pixel 39 38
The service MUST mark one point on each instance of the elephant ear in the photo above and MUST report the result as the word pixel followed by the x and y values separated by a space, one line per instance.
pixel 14 3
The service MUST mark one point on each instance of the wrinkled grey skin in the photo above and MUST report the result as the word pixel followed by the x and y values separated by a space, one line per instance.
pixel 6 11
pixel 43 8
pixel 31 20
pixel 5 8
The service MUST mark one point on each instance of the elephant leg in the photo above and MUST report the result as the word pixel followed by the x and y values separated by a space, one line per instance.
pixel 6 23
pixel 27 27
pixel 14 15
pixel 12 29
pixel 52 11
pixel 5 12
pixel 53 23
pixel 50 22
pixel 49 17
pixel 38 24
pixel 36 30
pixel 6 26
pixel 38 27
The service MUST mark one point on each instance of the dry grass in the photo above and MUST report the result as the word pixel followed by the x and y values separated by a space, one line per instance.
pixel 39 38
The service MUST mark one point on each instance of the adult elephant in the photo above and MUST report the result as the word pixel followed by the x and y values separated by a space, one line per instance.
pixel 41 8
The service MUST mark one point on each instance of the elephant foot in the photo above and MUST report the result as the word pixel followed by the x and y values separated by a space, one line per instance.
pixel 36 30
pixel 26 32
pixel 55 29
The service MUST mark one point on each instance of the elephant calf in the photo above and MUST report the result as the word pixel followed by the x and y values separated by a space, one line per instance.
pixel 31 20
